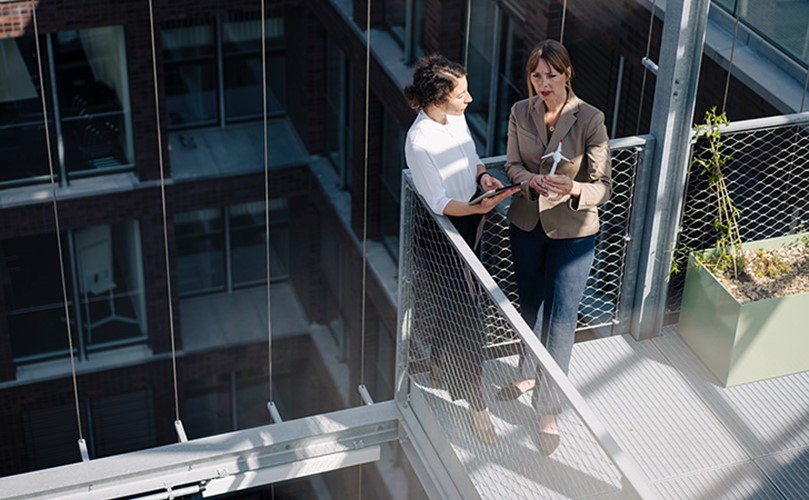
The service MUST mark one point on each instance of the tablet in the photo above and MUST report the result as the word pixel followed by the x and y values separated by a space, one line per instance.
pixel 495 192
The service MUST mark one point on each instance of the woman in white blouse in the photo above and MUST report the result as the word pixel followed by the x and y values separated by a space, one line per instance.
pixel 447 172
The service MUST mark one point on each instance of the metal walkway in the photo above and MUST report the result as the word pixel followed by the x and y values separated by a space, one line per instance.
pixel 691 437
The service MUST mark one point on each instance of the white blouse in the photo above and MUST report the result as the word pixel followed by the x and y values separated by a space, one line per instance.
pixel 442 159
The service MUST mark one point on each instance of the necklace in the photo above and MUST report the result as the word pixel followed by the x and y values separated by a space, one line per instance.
pixel 552 126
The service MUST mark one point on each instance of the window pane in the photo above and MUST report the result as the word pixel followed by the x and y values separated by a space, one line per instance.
pixel 108 260
pixel 395 15
pixel 93 89
pixel 200 251
pixel 335 108
pixel 34 302
pixel 247 244
pixel 123 423
pixel 730 5
pixel 481 42
pixel 418 29
pixel 208 406
pixel 190 72
pixel 251 399
pixel 782 21
pixel 511 80
pixel 241 46
pixel 51 437
pixel 247 237
pixel 23 154
pixel 392 165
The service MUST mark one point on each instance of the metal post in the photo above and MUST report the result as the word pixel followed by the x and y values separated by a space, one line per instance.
pixel 681 49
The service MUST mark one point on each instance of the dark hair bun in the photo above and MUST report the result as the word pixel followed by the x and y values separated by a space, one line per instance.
pixel 434 77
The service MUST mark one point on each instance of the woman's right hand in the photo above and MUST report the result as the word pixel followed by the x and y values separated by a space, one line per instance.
pixel 539 185
pixel 488 204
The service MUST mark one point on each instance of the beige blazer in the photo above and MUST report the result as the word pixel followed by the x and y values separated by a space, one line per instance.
pixel 585 141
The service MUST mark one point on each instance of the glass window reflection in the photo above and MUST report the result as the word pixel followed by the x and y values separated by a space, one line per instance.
pixel 190 70
pixel 23 153
pixel 93 89
pixel 242 71
pixel 395 18
pixel 103 267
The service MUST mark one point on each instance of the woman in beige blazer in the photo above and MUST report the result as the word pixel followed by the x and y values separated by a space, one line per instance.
pixel 554 221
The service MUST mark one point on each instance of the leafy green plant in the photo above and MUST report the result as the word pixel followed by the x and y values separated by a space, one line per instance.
pixel 727 256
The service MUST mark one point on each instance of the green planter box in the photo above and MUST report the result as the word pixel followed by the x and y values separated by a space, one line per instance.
pixel 743 343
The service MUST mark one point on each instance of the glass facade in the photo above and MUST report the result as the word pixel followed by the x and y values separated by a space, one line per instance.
pixel 87 98
pixel 191 75
pixel 105 291
pixel 214 72
pixel 392 164
pixel 480 61
pixel 242 68
pixel 396 18
pixel 495 61
pixel 404 20
pixel 784 22
pixel 225 402
pixel 419 7
pixel 336 119
pixel 23 152
pixel 93 93
pixel 510 81
pixel 221 249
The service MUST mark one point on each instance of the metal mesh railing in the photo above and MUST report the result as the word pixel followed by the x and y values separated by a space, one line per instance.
pixel 602 296
pixel 450 312
pixel 767 178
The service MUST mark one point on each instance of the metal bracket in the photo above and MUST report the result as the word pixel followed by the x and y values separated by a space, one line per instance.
pixel 650 65
pixel 366 397
pixel 181 436
pixel 274 414
pixel 85 455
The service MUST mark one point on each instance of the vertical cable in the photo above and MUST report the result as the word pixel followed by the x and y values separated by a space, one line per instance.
pixel 468 27
pixel 365 188
pixel 805 88
pixel 56 222
pixel 730 62
pixel 163 207
pixel 266 194
pixel 645 70
pixel 562 29
pixel 365 206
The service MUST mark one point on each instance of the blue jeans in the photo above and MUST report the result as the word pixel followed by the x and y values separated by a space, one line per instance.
pixel 551 276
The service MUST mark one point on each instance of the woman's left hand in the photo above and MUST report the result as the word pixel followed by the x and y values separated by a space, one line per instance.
pixel 562 185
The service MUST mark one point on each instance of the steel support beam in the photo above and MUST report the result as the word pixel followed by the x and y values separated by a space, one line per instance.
pixel 681 50
pixel 222 463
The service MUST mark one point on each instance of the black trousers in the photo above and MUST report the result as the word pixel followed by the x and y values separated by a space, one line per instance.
pixel 450 311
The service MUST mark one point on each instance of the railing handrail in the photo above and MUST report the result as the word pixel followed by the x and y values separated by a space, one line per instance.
pixel 767 122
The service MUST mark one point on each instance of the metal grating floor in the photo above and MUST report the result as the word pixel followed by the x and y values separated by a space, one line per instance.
pixel 693 438
pixel 514 467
